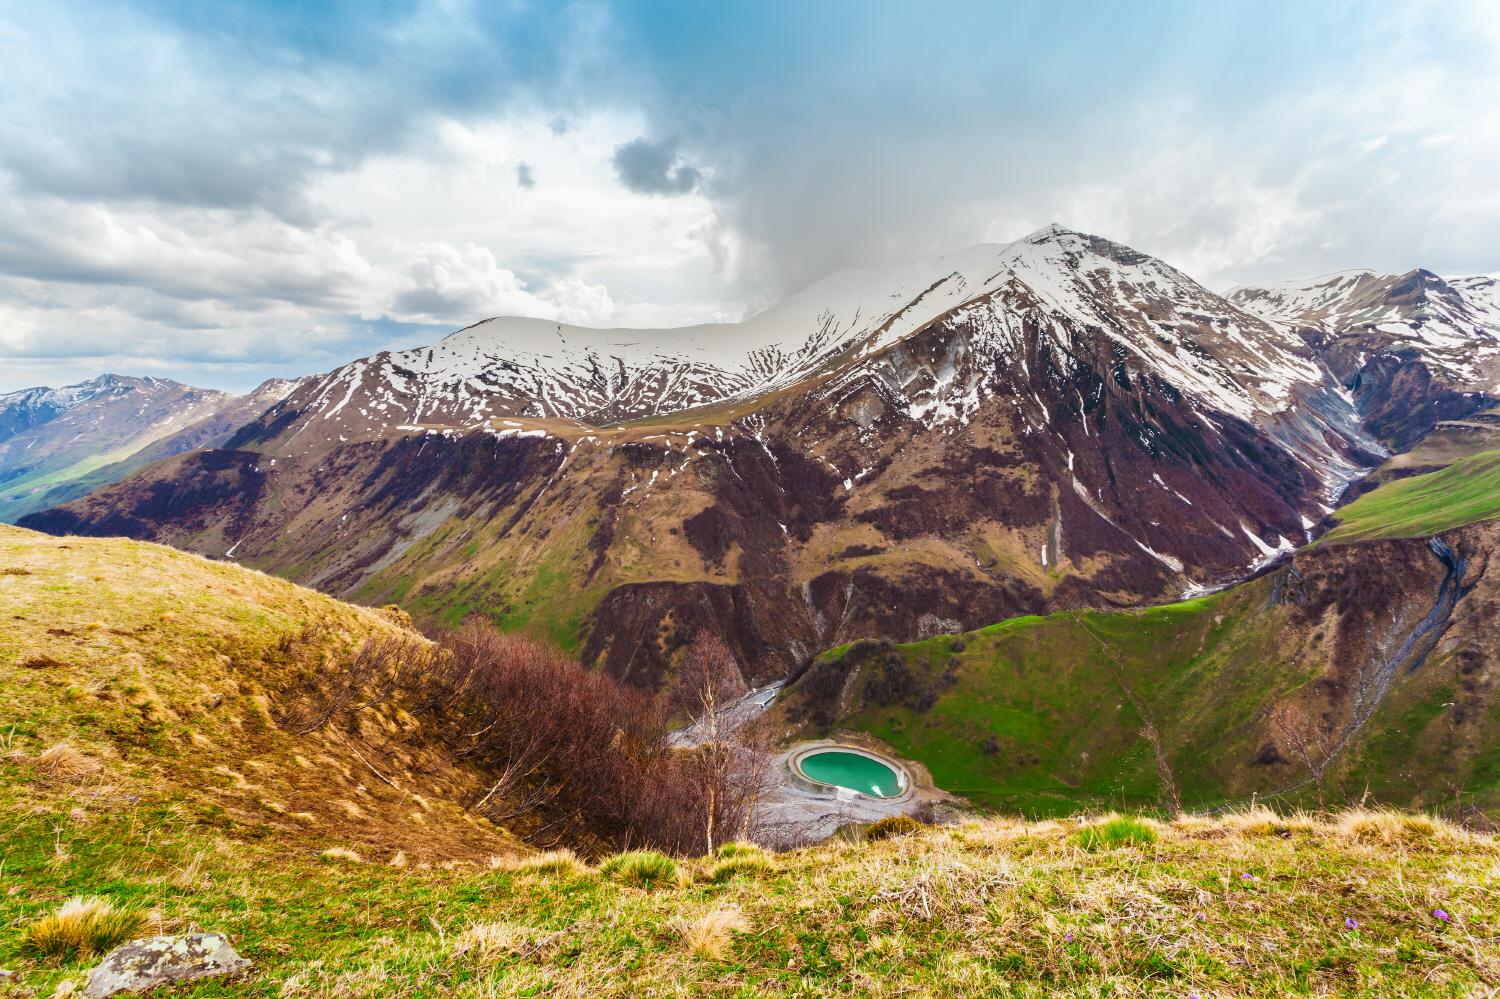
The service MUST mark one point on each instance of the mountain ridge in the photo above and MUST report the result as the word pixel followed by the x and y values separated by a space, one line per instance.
pixel 1057 422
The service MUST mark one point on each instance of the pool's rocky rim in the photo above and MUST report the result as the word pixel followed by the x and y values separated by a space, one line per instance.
pixel 811 784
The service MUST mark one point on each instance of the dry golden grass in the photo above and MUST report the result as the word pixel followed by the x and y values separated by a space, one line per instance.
pixel 61 761
pixel 192 876
pixel 218 691
pixel 551 862
pixel 342 854
pixel 83 927
pixel 1387 827
pixel 486 943
pixel 709 934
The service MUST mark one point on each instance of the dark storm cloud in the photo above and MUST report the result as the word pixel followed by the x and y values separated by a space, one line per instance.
pixel 648 167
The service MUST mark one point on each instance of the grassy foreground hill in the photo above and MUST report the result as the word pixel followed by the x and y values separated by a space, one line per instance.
pixel 150 755
pixel 1369 904
pixel 152 687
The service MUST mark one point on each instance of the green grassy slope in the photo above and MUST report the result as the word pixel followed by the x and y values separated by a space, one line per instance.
pixel 1466 492
pixel 1047 715
pixel 1041 715
pixel 1248 905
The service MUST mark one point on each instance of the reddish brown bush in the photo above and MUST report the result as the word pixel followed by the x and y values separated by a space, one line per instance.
pixel 584 755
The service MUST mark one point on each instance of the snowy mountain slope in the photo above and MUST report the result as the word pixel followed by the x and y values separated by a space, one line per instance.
pixel 1413 348
pixel 529 367
pixel 1453 322
pixel 1418 305
pixel 20 411
pixel 57 443
pixel 1229 360
pixel 1063 289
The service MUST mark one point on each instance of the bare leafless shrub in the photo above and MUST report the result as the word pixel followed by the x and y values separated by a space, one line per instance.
pixel 586 757
pixel 1310 742
pixel 557 740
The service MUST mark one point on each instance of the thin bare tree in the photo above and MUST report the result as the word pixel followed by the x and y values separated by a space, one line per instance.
pixel 1312 745
pixel 1164 773
pixel 709 686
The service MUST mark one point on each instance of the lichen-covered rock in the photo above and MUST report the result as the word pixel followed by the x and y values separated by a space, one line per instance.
pixel 144 964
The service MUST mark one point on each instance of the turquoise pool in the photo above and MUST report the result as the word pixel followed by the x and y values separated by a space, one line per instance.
pixel 854 771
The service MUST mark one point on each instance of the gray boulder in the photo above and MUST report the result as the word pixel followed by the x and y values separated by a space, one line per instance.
pixel 144 964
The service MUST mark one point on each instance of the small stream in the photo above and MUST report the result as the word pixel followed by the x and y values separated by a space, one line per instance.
pixel 1417 645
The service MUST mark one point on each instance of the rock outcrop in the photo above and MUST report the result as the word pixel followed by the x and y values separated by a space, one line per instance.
pixel 142 965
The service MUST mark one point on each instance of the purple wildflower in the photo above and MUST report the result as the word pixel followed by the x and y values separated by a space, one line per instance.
pixel 1069 937
pixel 1441 914
pixel 1351 923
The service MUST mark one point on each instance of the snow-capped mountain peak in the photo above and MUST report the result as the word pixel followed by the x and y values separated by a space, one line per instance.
pixel 1451 324
pixel 515 366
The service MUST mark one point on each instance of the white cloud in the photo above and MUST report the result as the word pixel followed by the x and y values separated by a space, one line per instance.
pixel 440 236
pixel 217 207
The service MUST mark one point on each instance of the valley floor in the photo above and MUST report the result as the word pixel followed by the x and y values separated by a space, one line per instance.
pixel 1372 904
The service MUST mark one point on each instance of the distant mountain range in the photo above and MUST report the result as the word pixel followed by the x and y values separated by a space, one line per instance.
pixel 58 444
pixel 1057 422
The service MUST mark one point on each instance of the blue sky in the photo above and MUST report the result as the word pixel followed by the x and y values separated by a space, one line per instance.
pixel 224 192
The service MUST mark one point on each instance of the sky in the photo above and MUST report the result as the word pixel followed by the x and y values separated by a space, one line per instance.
pixel 221 193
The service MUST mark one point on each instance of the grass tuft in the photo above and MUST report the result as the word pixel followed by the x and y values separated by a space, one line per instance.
pixel 737 847
pixel 710 934
pixel 486 943
pixel 645 869
pixel 740 865
pixel 892 825
pixel 83 927
pixel 341 853
pixel 64 762
pixel 1387 827
pixel 1114 832
pixel 553 862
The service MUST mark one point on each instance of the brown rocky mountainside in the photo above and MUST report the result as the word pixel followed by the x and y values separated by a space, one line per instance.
pixel 1059 422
